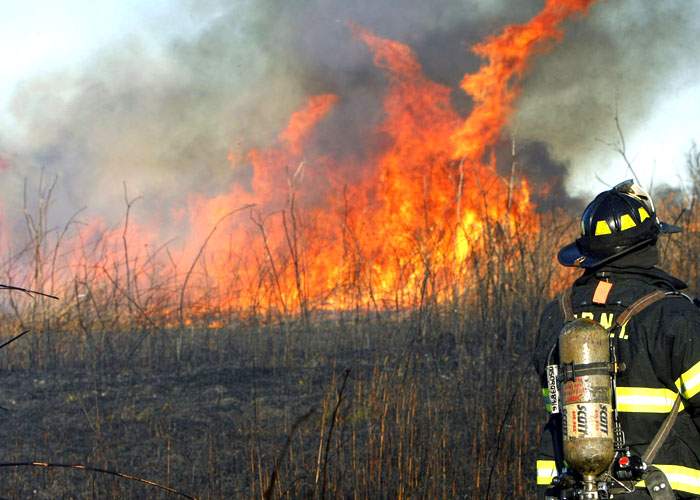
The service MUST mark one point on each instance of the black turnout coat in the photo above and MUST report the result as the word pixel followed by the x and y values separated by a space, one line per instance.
pixel 660 347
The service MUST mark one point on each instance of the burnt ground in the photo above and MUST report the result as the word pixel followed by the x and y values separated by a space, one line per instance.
pixel 214 423
pixel 153 424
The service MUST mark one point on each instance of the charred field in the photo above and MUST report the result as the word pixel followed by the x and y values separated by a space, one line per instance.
pixel 417 416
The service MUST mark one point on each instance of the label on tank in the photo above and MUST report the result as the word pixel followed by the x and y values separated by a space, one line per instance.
pixel 581 390
pixel 587 420
pixel 575 391
pixel 552 385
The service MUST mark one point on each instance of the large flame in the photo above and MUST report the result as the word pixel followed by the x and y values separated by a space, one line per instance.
pixel 302 237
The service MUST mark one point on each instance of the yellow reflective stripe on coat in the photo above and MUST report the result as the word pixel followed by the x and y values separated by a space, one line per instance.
pixel 645 400
pixel 546 471
pixel 689 382
pixel 681 478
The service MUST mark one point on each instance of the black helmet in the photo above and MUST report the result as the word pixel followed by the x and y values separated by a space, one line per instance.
pixel 614 223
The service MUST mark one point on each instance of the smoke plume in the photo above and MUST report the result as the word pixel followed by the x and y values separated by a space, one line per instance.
pixel 621 60
pixel 173 119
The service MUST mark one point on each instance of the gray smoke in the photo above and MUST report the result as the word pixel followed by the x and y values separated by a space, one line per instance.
pixel 546 175
pixel 620 60
pixel 164 118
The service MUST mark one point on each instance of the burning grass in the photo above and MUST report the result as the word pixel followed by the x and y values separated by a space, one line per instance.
pixel 440 400
pixel 207 404
pixel 305 234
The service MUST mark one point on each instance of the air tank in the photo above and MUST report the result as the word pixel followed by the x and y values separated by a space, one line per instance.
pixel 587 419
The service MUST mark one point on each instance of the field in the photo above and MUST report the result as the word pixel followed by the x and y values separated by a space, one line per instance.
pixel 414 417
pixel 431 398
pixel 434 400
pixel 343 305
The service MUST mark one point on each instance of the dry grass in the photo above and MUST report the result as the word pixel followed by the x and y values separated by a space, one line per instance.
pixel 126 372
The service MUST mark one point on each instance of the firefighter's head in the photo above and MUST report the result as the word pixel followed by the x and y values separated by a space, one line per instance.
pixel 617 222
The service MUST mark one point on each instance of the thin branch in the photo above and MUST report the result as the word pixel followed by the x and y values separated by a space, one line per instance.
pixel 47 465
pixel 622 147
pixel 129 203
pixel 273 476
pixel 14 338
pixel 199 254
pixel 27 291
pixel 334 417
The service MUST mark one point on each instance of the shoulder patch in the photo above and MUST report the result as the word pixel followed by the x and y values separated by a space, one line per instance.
pixel 602 291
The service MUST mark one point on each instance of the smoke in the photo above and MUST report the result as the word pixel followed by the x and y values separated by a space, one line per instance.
pixel 164 118
pixel 623 60
pixel 545 174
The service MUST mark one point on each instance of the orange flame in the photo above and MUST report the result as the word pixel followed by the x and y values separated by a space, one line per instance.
pixel 302 122
pixel 494 87
pixel 310 240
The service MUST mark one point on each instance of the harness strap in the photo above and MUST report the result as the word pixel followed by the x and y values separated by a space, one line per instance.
pixel 657 485
pixel 639 305
pixel 635 308
pixel 567 307
pixel 662 433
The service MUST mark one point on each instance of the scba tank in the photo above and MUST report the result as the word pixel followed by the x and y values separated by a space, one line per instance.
pixel 587 420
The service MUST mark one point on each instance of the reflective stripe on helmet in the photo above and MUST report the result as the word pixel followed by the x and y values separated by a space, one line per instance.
pixel 643 214
pixel 689 382
pixel 627 222
pixel 602 228
pixel 645 400
pixel 546 471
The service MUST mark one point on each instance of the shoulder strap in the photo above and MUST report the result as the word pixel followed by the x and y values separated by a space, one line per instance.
pixel 661 435
pixel 567 307
pixel 639 305
pixel 635 308
pixel 642 303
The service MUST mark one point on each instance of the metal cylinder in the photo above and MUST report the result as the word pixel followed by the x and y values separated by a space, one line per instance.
pixel 587 419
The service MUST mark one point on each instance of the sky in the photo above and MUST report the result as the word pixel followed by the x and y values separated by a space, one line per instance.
pixel 637 60
pixel 41 36
pixel 108 90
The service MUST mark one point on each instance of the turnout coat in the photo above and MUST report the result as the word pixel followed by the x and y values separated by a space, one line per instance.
pixel 660 348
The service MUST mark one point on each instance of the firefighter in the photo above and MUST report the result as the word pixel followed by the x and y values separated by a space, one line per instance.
pixel 658 349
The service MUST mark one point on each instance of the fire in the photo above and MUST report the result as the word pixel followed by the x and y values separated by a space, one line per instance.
pixel 494 87
pixel 301 237
pixel 302 122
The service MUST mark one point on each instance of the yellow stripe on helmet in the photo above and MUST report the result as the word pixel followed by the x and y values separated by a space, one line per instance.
pixel 643 214
pixel 627 222
pixel 601 228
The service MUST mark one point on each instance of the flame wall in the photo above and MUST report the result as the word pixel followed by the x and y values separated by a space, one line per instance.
pixel 365 136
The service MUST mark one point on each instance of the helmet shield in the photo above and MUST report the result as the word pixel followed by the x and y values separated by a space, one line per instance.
pixel 628 187
pixel 635 190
